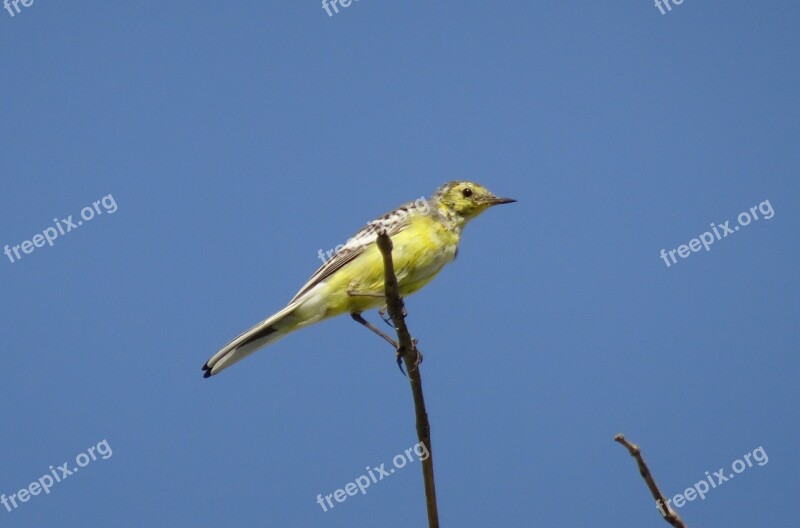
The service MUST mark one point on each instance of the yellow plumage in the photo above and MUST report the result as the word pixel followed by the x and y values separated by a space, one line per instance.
pixel 425 237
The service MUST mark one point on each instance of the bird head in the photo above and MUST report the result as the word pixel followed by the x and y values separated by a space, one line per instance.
pixel 466 200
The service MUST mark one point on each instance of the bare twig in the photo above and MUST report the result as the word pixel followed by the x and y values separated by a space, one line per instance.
pixel 668 513
pixel 408 352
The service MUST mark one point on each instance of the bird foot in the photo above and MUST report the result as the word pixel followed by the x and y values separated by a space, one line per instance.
pixel 384 313
pixel 417 360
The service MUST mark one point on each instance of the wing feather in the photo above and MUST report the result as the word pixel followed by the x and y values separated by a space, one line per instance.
pixel 392 222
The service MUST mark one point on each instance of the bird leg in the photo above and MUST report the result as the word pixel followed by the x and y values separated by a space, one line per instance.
pixel 388 320
pixel 360 320
pixel 383 312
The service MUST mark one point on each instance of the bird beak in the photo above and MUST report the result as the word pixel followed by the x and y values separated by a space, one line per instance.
pixel 498 201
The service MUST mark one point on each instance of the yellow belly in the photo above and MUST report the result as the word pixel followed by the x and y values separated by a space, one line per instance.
pixel 419 253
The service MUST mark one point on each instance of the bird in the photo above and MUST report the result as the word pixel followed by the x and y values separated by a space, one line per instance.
pixel 425 237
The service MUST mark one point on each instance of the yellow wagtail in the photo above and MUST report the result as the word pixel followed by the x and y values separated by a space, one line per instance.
pixel 424 239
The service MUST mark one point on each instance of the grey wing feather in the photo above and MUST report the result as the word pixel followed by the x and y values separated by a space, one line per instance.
pixel 392 222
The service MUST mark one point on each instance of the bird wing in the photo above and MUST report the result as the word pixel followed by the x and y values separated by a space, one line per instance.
pixel 392 223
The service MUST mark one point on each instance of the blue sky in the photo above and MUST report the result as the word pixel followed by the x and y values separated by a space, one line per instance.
pixel 238 139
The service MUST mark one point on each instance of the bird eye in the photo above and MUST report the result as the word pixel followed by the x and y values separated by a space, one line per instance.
pixel 466 193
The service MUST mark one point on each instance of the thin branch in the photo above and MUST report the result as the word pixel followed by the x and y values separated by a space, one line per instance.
pixel 663 506
pixel 408 352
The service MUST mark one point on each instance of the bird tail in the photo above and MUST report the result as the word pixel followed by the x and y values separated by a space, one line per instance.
pixel 264 333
